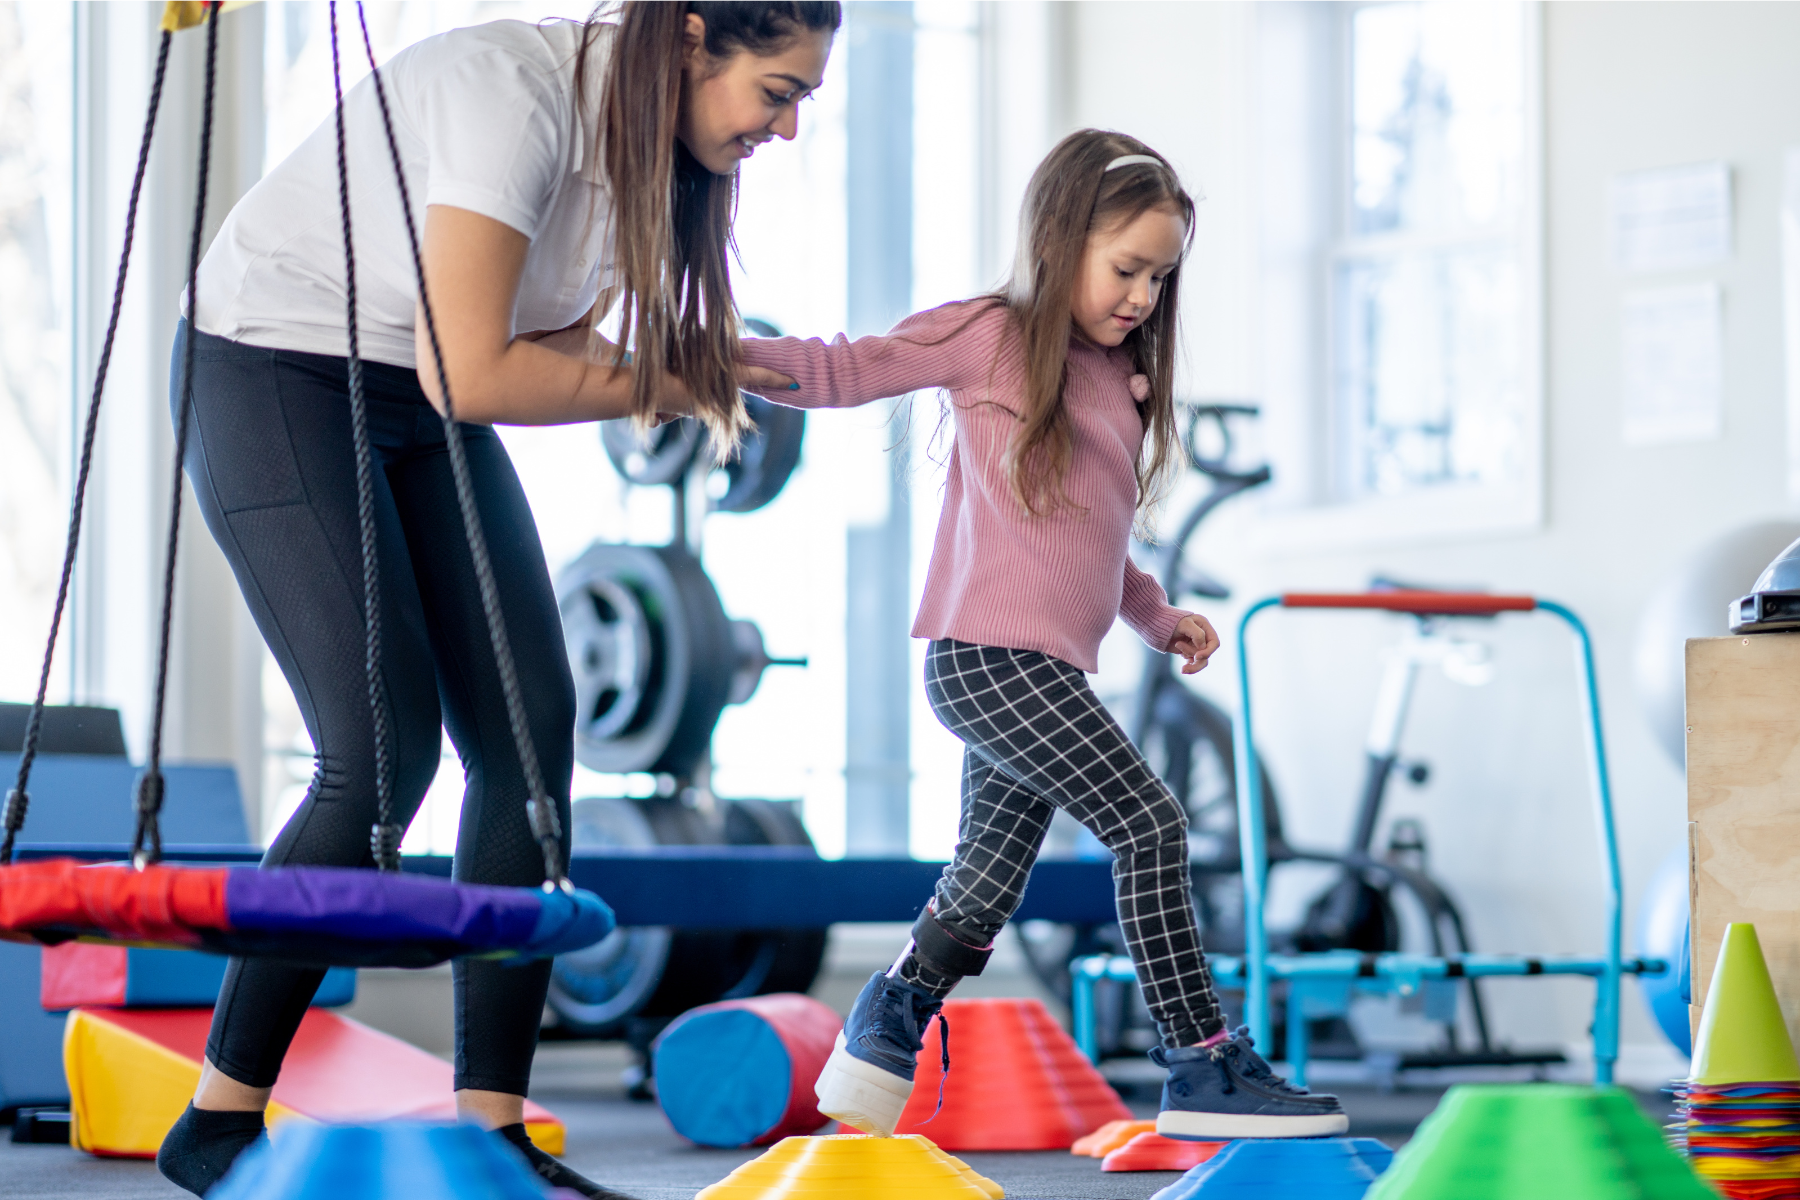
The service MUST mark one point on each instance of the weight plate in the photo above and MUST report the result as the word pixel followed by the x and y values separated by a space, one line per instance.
pixel 794 956
pixel 686 666
pixel 765 459
pixel 608 639
pixel 593 991
pixel 662 455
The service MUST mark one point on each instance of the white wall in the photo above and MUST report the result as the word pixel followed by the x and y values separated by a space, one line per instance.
pixel 214 709
pixel 1626 86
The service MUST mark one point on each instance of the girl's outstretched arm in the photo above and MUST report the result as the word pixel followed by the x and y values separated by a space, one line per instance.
pixel 948 347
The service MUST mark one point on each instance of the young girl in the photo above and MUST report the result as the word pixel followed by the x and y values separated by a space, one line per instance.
pixel 1064 432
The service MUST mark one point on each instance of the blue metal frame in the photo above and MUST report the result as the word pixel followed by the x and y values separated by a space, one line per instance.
pixel 1321 985
pixel 1254 843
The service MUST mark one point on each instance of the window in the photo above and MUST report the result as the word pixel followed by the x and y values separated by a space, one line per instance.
pixel 36 136
pixel 1400 278
pixel 1427 280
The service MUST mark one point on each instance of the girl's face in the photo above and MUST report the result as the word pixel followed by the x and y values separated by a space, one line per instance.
pixel 1122 272
pixel 731 106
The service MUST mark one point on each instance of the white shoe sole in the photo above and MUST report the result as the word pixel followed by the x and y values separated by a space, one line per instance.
pixel 861 1094
pixel 1195 1126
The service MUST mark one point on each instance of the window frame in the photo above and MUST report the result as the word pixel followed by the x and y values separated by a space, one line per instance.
pixel 1330 518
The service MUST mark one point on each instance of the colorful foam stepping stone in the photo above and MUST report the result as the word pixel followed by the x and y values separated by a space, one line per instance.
pixel 854 1167
pixel 132 1071
pixel 1153 1152
pixel 1017 1081
pixel 305 1161
pixel 1316 1168
pixel 1110 1137
pixel 1490 1142
pixel 741 1072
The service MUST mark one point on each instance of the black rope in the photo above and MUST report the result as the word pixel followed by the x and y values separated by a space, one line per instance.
pixel 385 834
pixel 542 813
pixel 18 800
pixel 146 842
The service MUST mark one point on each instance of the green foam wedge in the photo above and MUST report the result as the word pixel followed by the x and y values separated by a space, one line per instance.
pixel 1538 1140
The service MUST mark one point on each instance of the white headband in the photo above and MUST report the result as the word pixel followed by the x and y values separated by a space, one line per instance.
pixel 1127 160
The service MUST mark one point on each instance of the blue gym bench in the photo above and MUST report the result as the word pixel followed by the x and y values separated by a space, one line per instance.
pixel 1322 984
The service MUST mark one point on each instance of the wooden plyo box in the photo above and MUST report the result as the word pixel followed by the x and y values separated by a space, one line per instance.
pixel 1743 778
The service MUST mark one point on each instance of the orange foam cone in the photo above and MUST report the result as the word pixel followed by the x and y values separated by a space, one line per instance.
pixel 1017 1082
pixel 1154 1152
pixel 1110 1137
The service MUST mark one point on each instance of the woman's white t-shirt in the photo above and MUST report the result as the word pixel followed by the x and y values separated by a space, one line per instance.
pixel 486 121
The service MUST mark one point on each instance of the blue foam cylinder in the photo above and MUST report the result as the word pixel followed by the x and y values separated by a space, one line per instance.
pixel 741 1072
pixel 715 1107
pixel 1314 1168
pixel 381 1162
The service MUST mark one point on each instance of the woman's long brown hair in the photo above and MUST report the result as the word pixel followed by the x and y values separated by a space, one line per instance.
pixel 672 217
pixel 1071 195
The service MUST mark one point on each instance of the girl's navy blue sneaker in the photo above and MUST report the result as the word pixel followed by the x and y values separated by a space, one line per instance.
pixel 1227 1091
pixel 869 1076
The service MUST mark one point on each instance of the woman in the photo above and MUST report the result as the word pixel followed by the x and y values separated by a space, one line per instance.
pixel 553 168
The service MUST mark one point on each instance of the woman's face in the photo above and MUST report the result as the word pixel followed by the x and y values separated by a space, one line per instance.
pixel 731 106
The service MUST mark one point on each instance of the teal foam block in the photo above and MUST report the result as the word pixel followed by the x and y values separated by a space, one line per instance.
pixel 185 978
pixel 389 1161
pixel 1313 1168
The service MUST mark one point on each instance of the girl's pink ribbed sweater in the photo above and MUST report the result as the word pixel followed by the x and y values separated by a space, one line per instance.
pixel 1000 576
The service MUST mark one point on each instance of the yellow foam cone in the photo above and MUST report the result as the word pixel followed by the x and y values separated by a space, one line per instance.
pixel 850 1167
pixel 994 1191
pixel 1743 1038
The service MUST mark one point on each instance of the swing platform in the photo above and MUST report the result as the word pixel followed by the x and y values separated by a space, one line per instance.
pixel 327 916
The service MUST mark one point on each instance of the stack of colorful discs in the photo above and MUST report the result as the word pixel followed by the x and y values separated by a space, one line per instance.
pixel 1738 1114
pixel 1744 1138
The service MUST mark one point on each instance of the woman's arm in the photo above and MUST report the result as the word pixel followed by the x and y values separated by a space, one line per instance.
pixel 472 269
pixel 948 347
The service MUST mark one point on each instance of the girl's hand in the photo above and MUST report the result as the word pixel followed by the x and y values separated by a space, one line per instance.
pixel 1195 641
pixel 765 382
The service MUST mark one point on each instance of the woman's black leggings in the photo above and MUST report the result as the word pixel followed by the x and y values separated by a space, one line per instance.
pixel 269 454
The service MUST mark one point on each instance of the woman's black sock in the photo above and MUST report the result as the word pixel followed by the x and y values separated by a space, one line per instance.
pixel 203 1144
pixel 553 1172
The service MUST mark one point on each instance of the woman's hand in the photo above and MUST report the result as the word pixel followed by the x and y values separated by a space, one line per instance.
pixel 1194 641
pixel 765 382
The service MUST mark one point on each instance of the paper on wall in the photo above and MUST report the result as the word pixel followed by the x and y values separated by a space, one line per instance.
pixel 1672 218
pixel 1672 368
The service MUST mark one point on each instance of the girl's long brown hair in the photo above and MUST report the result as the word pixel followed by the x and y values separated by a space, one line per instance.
pixel 672 216
pixel 1070 196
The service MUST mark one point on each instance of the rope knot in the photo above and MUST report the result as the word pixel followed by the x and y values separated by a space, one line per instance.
pixel 384 844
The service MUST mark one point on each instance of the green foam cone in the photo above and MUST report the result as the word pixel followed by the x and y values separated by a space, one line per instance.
pixel 1551 1140
pixel 1743 1037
